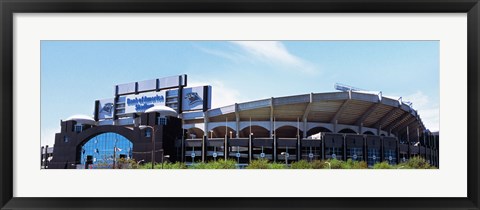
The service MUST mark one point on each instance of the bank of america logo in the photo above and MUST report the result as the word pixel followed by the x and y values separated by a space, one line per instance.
pixel 193 98
pixel 107 108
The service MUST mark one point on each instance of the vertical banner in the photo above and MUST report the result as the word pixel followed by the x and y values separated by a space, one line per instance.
pixel 194 98
pixel 105 109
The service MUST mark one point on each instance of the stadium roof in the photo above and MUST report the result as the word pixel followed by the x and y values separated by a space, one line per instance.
pixel 349 108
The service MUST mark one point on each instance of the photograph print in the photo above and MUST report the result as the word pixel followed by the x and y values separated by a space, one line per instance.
pixel 239 105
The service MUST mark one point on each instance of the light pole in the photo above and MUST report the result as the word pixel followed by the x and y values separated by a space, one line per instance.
pixel 286 157
pixel 231 134
pixel 153 142
pixel 211 134
pixel 164 156
pixel 114 153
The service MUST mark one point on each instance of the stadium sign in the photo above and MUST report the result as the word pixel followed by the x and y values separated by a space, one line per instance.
pixel 143 101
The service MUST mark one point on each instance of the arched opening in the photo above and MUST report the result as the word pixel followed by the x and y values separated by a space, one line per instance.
pixel 104 150
pixel 219 132
pixel 347 130
pixel 368 133
pixel 258 132
pixel 193 133
pixel 382 134
pixel 288 131
pixel 318 130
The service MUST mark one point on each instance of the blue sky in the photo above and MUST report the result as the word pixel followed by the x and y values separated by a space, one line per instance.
pixel 76 73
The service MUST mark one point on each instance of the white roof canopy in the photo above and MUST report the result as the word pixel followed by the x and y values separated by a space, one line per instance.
pixel 163 110
pixel 83 119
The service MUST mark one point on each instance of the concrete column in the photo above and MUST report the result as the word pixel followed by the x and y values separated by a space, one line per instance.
pixel 298 148
pixel 237 133
pixel 274 148
pixel 272 126
pixel 305 127
pixel 205 123
pixel 408 143
pixel 335 126
pixel 418 135
pixel 249 148
pixel 225 148
pixel 237 121
pixel 182 145
pixel 204 151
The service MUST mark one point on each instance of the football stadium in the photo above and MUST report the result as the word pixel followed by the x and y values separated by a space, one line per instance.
pixel 165 120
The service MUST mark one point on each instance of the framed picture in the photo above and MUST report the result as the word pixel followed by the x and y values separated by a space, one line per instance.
pixel 267 109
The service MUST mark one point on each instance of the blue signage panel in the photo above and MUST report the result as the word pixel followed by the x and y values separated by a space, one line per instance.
pixel 196 98
pixel 143 101
pixel 105 109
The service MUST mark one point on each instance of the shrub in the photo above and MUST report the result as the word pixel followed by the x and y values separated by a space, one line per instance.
pixel 123 163
pixel 302 164
pixel 145 166
pixel 198 165
pixel 319 164
pixel 336 164
pixel 415 163
pixel 258 164
pixel 219 164
pixel 277 166
pixel 383 165
pixel 222 164
pixel 264 164
pixel 168 165
pixel 350 164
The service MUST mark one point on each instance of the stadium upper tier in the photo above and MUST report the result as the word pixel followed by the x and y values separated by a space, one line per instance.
pixel 307 114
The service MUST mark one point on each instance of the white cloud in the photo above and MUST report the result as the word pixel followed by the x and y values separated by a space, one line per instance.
pixel 232 56
pixel 48 136
pixel 270 52
pixel 429 111
pixel 221 94
pixel 274 52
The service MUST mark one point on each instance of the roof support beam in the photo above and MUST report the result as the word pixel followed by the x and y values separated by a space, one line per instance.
pixel 385 117
pixel 340 111
pixel 405 128
pixel 308 108
pixel 237 121
pixel 367 113
pixel 305 115
pixel 271 117
pixel 396 122
pixel 402 126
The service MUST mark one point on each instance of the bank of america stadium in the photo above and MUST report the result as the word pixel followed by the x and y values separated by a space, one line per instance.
pixel 163 119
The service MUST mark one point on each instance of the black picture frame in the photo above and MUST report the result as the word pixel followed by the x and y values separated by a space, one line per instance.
pixel 9 7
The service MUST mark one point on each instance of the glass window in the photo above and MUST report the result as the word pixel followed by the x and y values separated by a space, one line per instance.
pixel 162 121
pixel 148 132
pixel 65 139
pixel 102 150
pixel 391 156
pixel 334 153
pixel 373 157
pixel 78 128
pixel 355 153
pixel 311 153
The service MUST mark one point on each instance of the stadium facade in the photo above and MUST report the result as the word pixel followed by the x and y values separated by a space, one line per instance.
pixel 163 119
